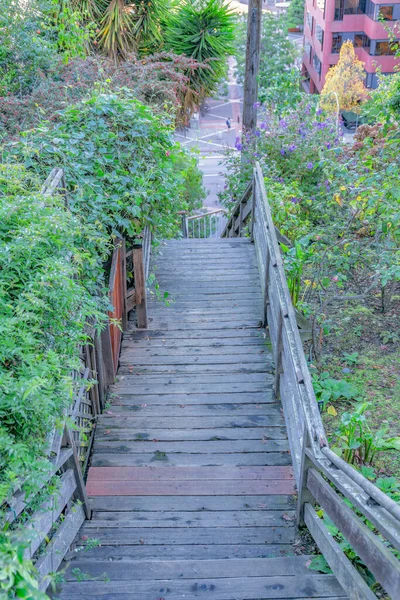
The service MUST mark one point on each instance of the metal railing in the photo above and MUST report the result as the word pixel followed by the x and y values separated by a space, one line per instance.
pixel 208 224
pixel 322 477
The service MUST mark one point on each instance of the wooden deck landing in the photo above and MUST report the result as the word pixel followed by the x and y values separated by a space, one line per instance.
pixel 191 484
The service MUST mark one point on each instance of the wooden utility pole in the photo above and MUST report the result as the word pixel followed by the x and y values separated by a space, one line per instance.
pixel 252 65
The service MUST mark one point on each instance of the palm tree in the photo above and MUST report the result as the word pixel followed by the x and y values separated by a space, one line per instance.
pixel 125 26
pixel 204 30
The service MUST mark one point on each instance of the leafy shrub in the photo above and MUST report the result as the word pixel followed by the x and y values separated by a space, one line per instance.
pixel 123 168
pixel 162 81
pixel 32 35
pixel 46 298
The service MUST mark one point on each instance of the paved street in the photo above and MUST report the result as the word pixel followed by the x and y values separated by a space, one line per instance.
pixel 211 136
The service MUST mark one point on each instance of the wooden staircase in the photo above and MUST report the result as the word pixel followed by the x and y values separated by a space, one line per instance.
pixel 191 483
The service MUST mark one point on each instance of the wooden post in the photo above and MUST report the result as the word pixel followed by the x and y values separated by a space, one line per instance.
pixel 253 208
pixel 249 119
pixel 266 283
pixel 124 285
pixel 73 463
pixel 185 229
pixel 278 356
pixel 107 354
pixel 140 286
pixel 304 494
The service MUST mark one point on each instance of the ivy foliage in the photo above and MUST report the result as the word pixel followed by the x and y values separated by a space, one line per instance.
pixel 122 166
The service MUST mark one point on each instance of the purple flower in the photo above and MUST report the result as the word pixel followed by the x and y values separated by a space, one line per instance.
pixel 238 145
pixel 283 124
pixel 308 108
pixel 328 145
pixel 257 155
pixel 257 105
pixel 258 133
pixel 319 111
pixel 292 147
pixel 310 165
pixel 263 125
pixel 283 151
pixel 294 200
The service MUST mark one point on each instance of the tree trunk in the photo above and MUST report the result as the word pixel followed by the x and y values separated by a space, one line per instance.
pixel 252 65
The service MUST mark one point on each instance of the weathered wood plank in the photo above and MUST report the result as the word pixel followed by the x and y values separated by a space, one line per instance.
pixel 238 459
pixel 346 574
pixel 164 535
pixel 221 589
pixel 115 433
pixel 376 556
pixel 140 520
pixel 132 368
pixel 187 569
pixel 189 488
pixel 258 398
pixel 140 552
pixel 209 447
pixel 183 504
pixel 50 561
pixel 155 388
pixel 209 422
pixel 173 474
pixel 159 409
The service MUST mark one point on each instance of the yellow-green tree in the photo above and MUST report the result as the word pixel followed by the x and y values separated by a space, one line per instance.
pixel 344 83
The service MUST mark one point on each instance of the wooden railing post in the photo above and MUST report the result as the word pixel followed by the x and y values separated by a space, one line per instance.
pixel 253 206
pixel 278 357
pixel 266 286
pixel 304 495
pixel 124 285
pixel 140 286
pixel 184 221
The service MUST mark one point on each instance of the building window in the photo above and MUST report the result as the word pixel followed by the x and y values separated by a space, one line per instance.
pixel 337 39
pixel 339 9
pixel 385 48
pixel 386 12
pixel 361 40
pixel 319 34
pixel 307 50
pixel 309 21
pixel 354 7
pixel 321 5
pixel 317 64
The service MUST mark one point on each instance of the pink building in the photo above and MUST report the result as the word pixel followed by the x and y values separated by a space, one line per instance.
pixel 329 23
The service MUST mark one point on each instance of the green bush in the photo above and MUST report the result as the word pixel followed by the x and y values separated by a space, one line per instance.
pixel 123 168
pixel 46 299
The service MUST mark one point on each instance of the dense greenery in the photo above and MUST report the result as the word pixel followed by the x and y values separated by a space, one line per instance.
pixel 123 169
pixel 295 14
pixel 279 77
pixel 205 31
pixel 338 206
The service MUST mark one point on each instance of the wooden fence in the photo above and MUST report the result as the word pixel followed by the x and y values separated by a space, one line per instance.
pixel 323 478
pixel 52 526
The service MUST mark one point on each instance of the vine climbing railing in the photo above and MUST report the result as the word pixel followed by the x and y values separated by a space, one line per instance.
pixel 53 524
pixel 366 517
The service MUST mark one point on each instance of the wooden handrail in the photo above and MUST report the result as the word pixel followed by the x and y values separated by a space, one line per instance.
pixel 310 450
